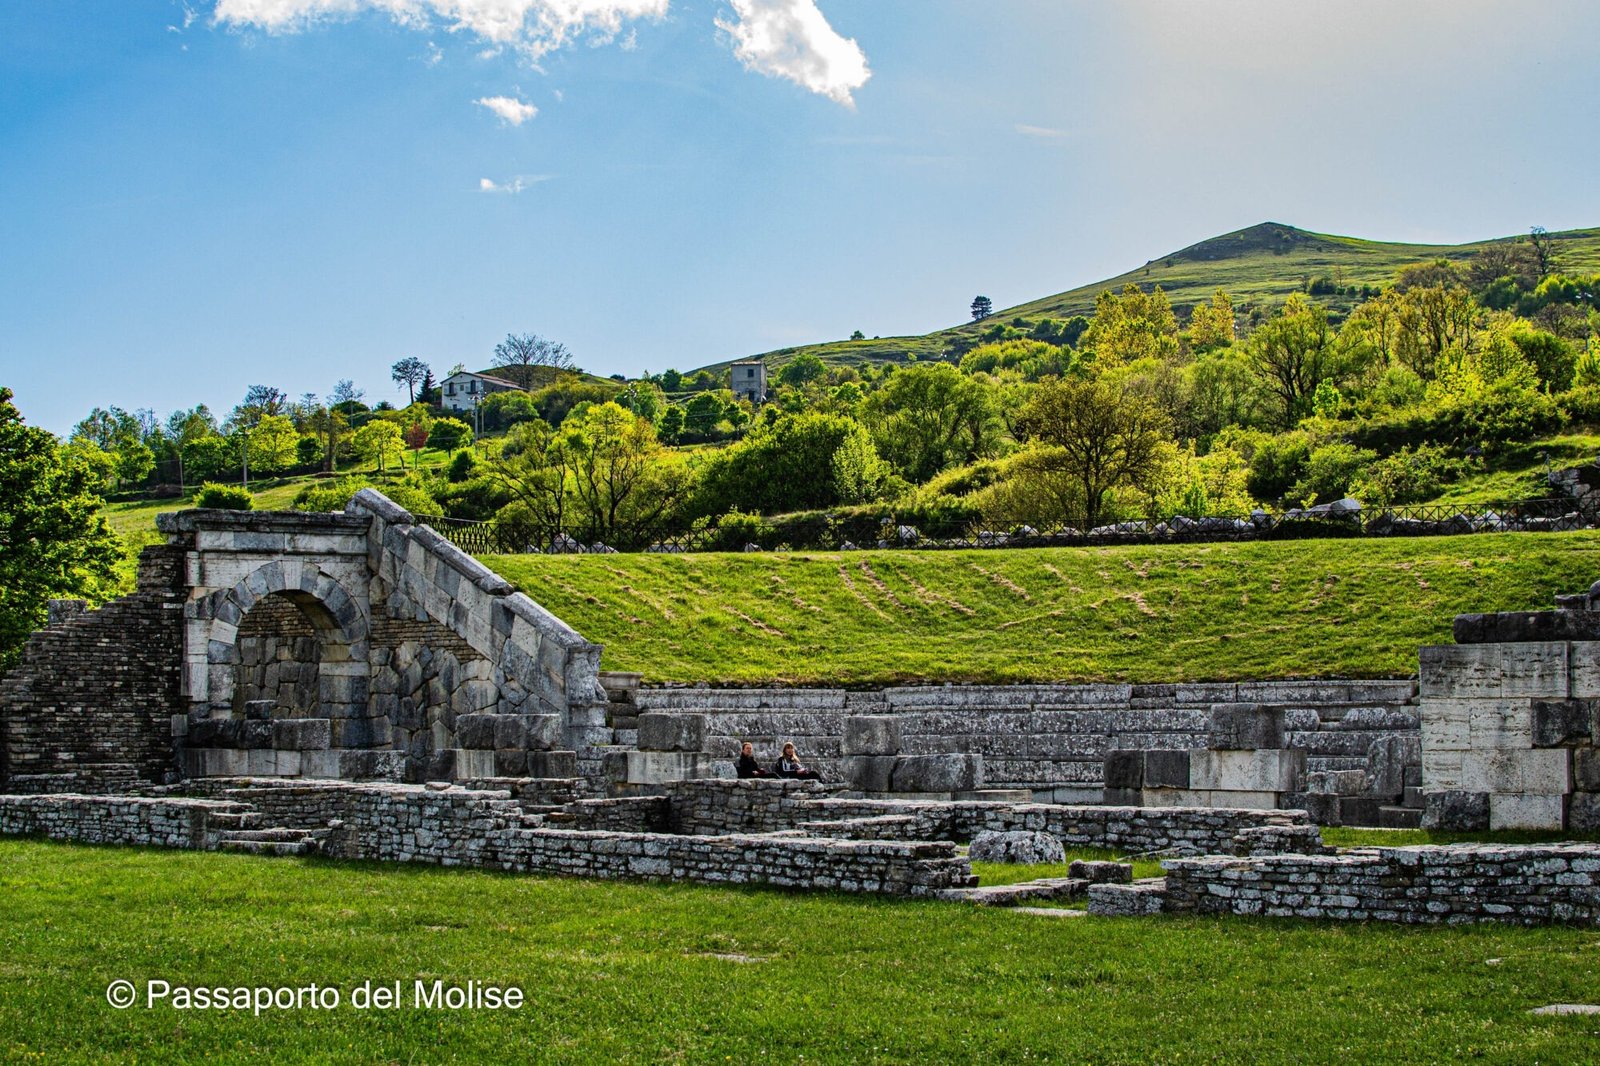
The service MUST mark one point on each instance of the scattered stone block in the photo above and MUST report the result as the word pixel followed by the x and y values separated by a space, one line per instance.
pixel 1029 848
pixel 1102 873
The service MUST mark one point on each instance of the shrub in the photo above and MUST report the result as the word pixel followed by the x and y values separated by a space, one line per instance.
pixel 1277 464
pixel 323 496
pixel 736 529
pixel 1330 471
pixel 224 497
pixel 1408 476
pixel 462 467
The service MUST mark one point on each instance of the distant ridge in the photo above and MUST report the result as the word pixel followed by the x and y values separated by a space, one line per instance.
pixel 1265 263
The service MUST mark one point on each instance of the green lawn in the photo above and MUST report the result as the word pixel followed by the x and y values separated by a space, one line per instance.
pixel 1321 608
pixel 644 973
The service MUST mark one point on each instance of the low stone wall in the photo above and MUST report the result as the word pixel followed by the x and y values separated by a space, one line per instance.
pixel 754 805
pixel 1532 884
pixel 462 827
pixel 162 822
pixel 1051 739
pixel 1127 830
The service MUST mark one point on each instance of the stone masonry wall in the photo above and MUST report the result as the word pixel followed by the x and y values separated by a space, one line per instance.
pixel 1532 884
pixel 89 706
pixel 460 827
pixel 1052 739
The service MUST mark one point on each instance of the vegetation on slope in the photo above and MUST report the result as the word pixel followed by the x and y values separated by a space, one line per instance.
pixel 1146 614
pixel 631 973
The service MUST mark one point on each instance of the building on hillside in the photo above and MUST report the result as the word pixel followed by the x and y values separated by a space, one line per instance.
pixel 750 380
pixel 463 391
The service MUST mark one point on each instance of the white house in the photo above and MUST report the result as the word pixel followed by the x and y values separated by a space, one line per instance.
pixel 463 391
pixel 749 380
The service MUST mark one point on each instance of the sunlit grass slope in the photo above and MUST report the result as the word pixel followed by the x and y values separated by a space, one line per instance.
pixel 1352 608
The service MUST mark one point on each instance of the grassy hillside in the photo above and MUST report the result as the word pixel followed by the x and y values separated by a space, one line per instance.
pixel 1156 614
pixel 629 973
pixel 1265 262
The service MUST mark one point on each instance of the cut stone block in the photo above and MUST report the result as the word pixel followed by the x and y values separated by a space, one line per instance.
pixel 1526 811
pixel 1583 812
pixel 1124 769
pixel 562 764
pixel 1279 770
pixel 664 767
pixel 1455 810
pixel 1029 848
pixel 1561 723
pixel 871 735
pixel 938 773
pixel 1102 873
pixel 660 731
pixel 1546 771
pixel 1245 726
pixel 869 773
pixel 301 734
pixel 1166 769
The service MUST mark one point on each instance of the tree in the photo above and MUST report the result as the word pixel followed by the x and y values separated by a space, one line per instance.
pixel 858 336
pixel 798 462
pixel 380 441
pixel 802 370
pixel 416 436
pixel 54 543
pixel 982 308
pixel 612 456
pixel 272 444
pixel 520 356
pixel 925 418
pixel 121 436
pixel 186 427
pixel 410 372
pixel 1131 326
pixel 1099 433
pixel 1294 354
pixel 428 391
pixel 1542 247
pixel 448 434
pixel 1211 325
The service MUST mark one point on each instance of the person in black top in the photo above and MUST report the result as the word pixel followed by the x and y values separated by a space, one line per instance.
pixel 789 765
pixel 747 766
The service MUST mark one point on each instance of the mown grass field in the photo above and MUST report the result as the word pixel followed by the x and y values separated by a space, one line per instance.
pixel 646 973
pixel 1323 608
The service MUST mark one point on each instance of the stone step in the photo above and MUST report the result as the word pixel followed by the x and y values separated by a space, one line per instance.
pixel 269 847
pixel 1046 888
pixel 1399 818
pixel 276 835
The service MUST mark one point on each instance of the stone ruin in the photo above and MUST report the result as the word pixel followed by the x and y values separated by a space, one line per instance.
pixel 352 685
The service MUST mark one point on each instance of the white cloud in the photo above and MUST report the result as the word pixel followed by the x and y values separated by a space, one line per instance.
pixel 512 187
pixel 792 39
pixel 1042 132
pixel 511 110
pixel 534 27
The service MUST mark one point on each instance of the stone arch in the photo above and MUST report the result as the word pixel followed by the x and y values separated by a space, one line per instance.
pixel 335 618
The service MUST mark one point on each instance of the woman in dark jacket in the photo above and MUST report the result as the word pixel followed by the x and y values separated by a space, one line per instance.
pixel 746 766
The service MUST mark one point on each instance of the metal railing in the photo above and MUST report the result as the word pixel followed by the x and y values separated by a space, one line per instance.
pixel 856 531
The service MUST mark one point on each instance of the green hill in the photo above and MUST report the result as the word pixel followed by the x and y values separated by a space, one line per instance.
pixel 1263 263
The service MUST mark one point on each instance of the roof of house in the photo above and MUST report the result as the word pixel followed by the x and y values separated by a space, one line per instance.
pixel 484 377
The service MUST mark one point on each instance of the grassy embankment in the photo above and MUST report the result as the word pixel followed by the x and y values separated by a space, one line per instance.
pixel 648 973
pixel 1324 608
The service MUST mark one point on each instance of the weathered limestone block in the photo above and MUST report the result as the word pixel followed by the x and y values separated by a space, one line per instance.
pixel 1526 811
pixel 1166 769
pixel 1546 771
pixel 1561 723
pixel 1019 846
pixel 664 767
pixel 1583 811
pixel 660 731
pixel 1245 726
pixel 1101 873
pixel 1388 759
pixel 1456 810
pixel 1280 770
pixel 1495 671
pixel 1124 769
pixel 1586 770
pixel 561 764
pixel 938 773
pixel 869 773
pixel 301 734
pixel 871 735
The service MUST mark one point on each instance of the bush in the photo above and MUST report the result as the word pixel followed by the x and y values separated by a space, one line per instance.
pixel 1277 465
pixel 322 496
pixel 224 497
pixel 1329 472
pixel 462 467
pixel 736 529
pixel 1408 476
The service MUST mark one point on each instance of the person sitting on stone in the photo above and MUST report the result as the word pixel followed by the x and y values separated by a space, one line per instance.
pixel 789 765
pixel 746 766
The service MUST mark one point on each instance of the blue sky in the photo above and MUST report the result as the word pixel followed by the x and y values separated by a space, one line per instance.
pixel 195 198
